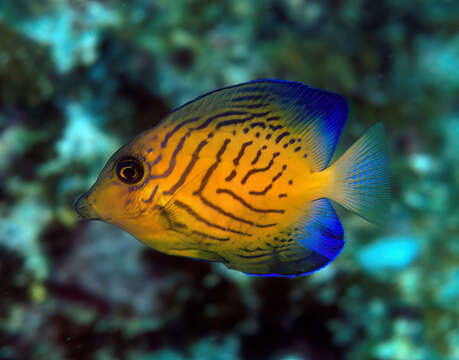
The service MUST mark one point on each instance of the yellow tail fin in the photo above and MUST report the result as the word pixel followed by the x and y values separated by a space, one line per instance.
pixel 361 177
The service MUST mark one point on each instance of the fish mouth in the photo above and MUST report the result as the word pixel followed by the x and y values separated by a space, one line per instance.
pixel 84 210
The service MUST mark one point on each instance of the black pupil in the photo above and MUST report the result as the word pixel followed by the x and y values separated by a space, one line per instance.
pixel 129 171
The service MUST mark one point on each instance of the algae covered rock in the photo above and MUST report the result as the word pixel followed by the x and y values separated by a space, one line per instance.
pixel 26 72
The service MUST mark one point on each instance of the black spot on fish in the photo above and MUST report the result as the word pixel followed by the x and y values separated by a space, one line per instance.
pixel 260 124
pixel 246 130
pixel 231 176
pixel 281 136
pixel 273 118
pixel 241 152
pixel 274 128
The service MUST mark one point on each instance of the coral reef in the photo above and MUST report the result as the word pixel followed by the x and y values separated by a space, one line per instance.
pixel 79 78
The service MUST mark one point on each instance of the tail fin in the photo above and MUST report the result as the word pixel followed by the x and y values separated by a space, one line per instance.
pixel 361 177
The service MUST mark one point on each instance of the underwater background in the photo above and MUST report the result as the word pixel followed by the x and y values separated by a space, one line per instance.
pixel 78 78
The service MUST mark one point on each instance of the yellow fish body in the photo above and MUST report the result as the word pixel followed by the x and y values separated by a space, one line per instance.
pixel 240 176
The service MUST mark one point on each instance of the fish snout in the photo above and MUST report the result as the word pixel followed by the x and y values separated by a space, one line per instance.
pixel 83 208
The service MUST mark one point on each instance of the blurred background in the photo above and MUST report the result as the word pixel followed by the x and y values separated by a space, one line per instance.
pixel 78 78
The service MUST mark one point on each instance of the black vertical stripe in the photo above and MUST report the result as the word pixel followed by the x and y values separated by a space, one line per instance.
pixel 212 168
pixel 177 127
pixel 258 123
pixel 262 192
pixel 257 157
pixel 199 218
pixel 246 204
pixel 157 160
pixel 217 208
pixel 232 216
pixel 241 121
pixel 274 128
pixel 212 237
pixel 231 176
pixel 212 118
pixel 278 175
pixel 254 171
pixel 152 196
pixel 186 172
pixel 284 134
pixel 241 152
pixel 179 147
pixel 273 118
pixel 172 161
pixel 268 187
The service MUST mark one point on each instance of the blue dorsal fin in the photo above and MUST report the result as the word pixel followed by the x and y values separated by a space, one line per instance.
pixel 318 241
pixel 316 115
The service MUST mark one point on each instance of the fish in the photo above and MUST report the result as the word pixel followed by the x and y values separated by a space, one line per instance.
pixel 242 176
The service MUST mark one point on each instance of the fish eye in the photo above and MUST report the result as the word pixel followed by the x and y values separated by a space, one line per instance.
pixel 129 170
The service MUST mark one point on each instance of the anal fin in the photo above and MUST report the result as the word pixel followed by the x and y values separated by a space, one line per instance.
pixel 322 231
pixel 318 241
